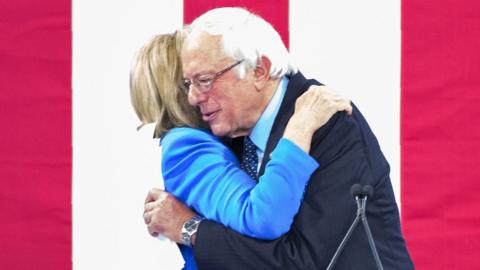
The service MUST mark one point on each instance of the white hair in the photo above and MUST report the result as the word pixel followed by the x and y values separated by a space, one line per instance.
pixel 245 36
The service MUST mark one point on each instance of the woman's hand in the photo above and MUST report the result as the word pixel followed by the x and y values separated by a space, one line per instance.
pixel 317 105
pixel 312 110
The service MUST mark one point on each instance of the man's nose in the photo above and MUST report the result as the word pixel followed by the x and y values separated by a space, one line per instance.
pixel 195 96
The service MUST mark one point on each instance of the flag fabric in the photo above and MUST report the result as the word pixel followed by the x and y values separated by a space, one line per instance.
pixel 440 132
pixel 35 147
pixel 75 171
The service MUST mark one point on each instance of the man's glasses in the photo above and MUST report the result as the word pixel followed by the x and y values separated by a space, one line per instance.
pixel 204 82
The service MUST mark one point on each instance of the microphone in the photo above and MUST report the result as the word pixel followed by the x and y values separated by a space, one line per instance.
pixel 358 191
pixel 360 194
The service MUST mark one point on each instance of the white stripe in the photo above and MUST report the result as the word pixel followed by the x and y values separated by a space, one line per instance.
pixel 354 46
pixel 114 166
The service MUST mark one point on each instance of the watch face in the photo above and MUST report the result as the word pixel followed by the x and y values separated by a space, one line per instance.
pixel 189 228
pixel 190 224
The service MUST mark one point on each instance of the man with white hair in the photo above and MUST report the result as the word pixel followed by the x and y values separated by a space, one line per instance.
pixel 254 103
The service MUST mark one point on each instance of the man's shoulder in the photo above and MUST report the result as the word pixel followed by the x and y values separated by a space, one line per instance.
pixel 341 125
pixel 347 134
pixel 298 83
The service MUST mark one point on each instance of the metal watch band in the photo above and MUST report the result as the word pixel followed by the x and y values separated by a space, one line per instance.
pixel 189 228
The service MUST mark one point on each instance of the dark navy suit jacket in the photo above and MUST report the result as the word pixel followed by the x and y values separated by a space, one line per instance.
pixel 348 153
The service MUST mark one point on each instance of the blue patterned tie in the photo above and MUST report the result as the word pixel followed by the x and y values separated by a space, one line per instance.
pixel 249 158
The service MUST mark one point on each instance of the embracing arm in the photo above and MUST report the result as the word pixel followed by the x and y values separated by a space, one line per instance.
pixel 202 172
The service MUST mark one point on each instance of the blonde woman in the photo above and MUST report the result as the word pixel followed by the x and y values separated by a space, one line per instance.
pixel 204 173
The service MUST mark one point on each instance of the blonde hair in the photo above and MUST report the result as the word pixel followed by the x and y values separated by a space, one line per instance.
pixel 154 87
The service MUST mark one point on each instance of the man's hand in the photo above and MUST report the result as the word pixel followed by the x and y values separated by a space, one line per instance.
pixel 164 214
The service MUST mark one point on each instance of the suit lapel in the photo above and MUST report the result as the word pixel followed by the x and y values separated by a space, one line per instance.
pixel 296 86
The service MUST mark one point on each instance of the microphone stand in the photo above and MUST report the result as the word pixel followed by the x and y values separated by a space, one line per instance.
pixel 361 200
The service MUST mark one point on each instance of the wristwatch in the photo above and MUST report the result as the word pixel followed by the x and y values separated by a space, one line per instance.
pixel 189 228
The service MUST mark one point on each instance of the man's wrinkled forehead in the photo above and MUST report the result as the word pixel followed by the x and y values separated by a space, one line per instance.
pixel 201 50
pixel 201 41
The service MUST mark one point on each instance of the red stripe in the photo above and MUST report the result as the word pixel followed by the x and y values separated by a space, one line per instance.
pixel 274 11
pixel 441 132
pixel 35 149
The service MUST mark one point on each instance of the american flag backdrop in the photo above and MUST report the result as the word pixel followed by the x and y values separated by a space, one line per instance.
pixel 74 170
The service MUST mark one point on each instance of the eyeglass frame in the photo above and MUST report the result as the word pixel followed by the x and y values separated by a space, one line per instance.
pixel 208 81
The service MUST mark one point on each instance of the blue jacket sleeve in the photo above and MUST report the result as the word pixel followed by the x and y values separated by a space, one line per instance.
pixel 198 169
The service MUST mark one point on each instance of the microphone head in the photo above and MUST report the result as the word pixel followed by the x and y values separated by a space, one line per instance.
pixel 356 190
pixel 360 191
pixel 367 191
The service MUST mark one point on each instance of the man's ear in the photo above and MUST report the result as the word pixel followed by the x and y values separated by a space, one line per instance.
pixel 262 73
